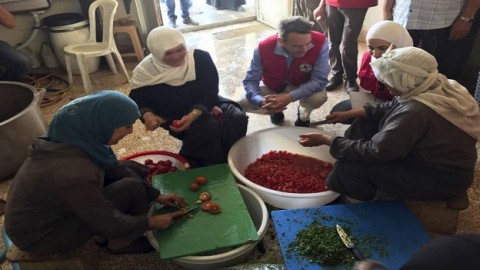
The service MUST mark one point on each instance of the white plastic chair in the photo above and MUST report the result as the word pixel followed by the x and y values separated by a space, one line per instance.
pixel 92 48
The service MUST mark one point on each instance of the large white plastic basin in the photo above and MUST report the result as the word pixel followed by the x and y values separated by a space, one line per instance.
pixel 259 214
pixel 254 145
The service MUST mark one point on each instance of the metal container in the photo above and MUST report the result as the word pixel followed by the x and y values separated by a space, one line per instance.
pixel 21 121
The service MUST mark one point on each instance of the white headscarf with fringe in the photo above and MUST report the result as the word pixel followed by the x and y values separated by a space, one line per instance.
pixel 413 72
pixel 152 70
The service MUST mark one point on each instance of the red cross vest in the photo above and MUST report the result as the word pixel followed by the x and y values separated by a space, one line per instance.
pixel 275 72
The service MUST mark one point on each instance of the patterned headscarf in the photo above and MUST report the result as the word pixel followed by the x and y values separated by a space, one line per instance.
pixel 413 72
pixel 89 122
pixel 152 70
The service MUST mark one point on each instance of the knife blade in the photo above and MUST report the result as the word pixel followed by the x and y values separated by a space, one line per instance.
pixel 318 123
pixel 347 241
pixel 191 209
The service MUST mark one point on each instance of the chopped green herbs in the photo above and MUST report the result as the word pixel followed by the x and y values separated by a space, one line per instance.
pixel 321 244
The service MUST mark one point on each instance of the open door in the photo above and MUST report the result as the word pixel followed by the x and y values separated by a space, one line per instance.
pixel 270 12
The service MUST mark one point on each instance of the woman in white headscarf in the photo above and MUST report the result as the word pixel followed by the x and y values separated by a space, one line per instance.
pixel 379 38
pixel 420 145
pixel 177 89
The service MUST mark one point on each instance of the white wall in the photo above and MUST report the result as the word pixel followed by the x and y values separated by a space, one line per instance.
pixel 374 14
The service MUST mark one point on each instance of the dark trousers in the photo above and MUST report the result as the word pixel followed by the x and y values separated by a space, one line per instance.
pixel 344 26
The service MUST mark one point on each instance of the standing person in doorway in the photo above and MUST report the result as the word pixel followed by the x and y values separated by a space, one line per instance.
pixel 14 65
pixel 185 5
pixel 344 20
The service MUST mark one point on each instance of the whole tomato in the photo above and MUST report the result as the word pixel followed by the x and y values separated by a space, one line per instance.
pixel 194 186
pixel 176 123
pixel 201 180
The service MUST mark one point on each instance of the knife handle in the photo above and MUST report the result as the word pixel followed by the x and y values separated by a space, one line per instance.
pixel 358 254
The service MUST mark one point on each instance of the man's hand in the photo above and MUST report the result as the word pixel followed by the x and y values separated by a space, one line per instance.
pixel 319 13
pixel 314 139
pixel 275 103
pixel 459 30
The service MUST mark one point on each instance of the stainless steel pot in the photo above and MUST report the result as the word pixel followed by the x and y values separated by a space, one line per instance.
pixel 21 120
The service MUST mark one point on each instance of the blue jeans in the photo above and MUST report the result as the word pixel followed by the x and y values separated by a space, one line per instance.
pixel 171 9
pixel 14 65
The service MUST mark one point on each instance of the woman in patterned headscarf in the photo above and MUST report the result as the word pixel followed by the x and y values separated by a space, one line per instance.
pixel 177 89
pixel 58 199
pixel 420 145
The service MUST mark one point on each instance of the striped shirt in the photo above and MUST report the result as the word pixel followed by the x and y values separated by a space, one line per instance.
pixel 426 14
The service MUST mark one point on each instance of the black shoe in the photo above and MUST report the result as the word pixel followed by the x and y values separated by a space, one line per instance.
pixel 139 246
pixel 299 122
pixel 172 24
pixel 188 20
pixel 351 86
pixel 277 118
pixel 333 84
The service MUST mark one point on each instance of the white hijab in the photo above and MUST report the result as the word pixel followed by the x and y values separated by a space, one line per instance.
pixel 413 72
pixel 152 70
pixel 392 32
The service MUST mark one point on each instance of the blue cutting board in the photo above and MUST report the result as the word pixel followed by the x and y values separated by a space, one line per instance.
pixel 204 233
pixel 390 221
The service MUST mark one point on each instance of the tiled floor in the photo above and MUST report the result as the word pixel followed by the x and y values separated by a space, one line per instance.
pixel 231 48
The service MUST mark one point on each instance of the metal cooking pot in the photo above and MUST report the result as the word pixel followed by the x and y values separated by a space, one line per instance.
pixel 21 120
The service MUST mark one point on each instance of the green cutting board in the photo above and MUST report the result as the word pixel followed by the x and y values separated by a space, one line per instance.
pixel 204 233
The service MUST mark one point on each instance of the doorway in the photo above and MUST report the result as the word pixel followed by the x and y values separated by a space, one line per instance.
pixel 207 15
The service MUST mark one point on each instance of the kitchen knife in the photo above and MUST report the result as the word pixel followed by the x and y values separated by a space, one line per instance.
pixel 347 241
pixel 191 209
pixel 318 123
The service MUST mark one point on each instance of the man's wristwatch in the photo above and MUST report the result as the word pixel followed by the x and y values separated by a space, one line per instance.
pixel 466 19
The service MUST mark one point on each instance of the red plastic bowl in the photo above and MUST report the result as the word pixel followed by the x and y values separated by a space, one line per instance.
pixel 178 161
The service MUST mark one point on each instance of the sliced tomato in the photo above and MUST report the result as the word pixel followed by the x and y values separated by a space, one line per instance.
pixel 211 207
pixel 206 206
pixel 205 196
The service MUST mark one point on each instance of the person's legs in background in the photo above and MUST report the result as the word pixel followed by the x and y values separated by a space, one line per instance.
pixel 335 21
pixel 171 13
pixel 353 21
pixel 14 65
pixel 186 4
